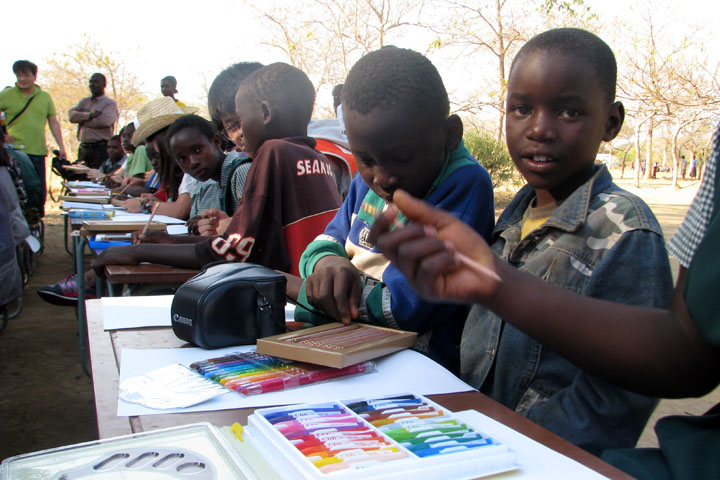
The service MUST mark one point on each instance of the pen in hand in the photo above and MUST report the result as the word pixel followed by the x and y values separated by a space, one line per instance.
pixel 147 225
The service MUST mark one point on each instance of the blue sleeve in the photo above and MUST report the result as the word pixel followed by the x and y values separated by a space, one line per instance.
pixel 468 194
pixel 635 271
pixel 336 231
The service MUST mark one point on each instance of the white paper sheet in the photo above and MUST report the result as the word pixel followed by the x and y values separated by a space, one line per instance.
pixel 146 311
pixel 134 312
pixel 535 459
pixel 401 372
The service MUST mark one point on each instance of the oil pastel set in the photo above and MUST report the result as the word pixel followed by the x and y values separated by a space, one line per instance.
pixel 379 437
pixel 253 373
pixel 368 438
pixel 337 345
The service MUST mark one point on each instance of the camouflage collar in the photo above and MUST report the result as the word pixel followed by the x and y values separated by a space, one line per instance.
pixel 569 215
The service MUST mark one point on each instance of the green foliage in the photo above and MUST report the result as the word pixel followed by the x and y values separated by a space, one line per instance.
pixel 573 8
pixel 492 155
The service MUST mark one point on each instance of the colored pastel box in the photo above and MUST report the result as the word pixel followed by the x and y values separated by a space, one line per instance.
pixel 447 449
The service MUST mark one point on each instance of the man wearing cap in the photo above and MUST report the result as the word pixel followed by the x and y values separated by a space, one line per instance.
pixel 96 116
pixel 26 109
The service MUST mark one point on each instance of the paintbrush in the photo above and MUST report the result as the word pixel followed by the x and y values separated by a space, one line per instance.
pixel 473 265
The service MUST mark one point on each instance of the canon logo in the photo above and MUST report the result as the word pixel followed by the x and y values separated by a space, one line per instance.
pixel 180 319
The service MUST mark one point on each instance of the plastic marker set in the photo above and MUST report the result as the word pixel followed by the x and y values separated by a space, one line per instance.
pixel 253 373
pixel 388 437
pixel 337 345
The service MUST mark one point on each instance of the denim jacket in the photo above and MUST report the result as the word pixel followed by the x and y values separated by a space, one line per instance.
pixel 601 242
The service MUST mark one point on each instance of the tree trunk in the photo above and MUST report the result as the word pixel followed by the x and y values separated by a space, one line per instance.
pixel 648 155
pixel 676 133
pixel 636 176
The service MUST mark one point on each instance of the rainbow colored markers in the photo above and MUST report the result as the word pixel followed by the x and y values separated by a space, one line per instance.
pixel 253 373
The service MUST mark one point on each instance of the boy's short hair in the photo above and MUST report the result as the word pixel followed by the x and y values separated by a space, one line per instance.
pixel 192 121
pixel 24 66
pixel 581 44
pixel 285 87
pixel 395 76
pixel 221 96
pixel 171 80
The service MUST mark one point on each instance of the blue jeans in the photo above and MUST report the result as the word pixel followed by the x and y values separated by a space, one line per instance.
pixel 39 164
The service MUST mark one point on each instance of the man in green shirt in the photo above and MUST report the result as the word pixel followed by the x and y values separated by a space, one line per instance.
pixel 27 108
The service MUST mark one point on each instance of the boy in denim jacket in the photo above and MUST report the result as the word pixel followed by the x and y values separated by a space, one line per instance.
pixel 571 226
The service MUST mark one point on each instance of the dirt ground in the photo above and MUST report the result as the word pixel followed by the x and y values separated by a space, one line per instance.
pixel 47 401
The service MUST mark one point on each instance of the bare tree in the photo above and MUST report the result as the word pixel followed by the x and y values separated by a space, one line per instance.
pixel 662 82
pixel 495 30
pixel 68 75
pixel 326 37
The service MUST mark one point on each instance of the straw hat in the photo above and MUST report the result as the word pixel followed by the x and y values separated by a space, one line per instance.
pixel 156 115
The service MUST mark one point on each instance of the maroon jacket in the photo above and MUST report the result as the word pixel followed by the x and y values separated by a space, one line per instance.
pixel 290 196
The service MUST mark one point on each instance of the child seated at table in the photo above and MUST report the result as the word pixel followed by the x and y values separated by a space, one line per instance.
pixel 116 159
pixel 396 112
pixel 290 194
pixel 570 226
pixel 195 145
pixel 221 105
pixel 136 168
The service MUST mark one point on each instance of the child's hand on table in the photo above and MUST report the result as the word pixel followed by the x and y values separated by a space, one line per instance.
pixel 424 251
pixel 123 255
pixel 335 287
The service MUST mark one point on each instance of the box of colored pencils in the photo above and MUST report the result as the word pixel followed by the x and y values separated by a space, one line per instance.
pixel 389 437
pixel 337 345
pixel 86 199
pixel 253 373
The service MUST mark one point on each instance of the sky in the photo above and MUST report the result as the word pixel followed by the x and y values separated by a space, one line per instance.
pixel 195 40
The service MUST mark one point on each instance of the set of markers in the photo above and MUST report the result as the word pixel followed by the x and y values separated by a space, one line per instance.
pixel 253 373
pixel 376 438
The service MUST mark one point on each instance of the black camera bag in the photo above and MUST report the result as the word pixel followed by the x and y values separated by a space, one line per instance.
pixel 229 304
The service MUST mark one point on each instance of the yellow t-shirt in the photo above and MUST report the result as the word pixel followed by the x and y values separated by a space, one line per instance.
pixel 535 217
